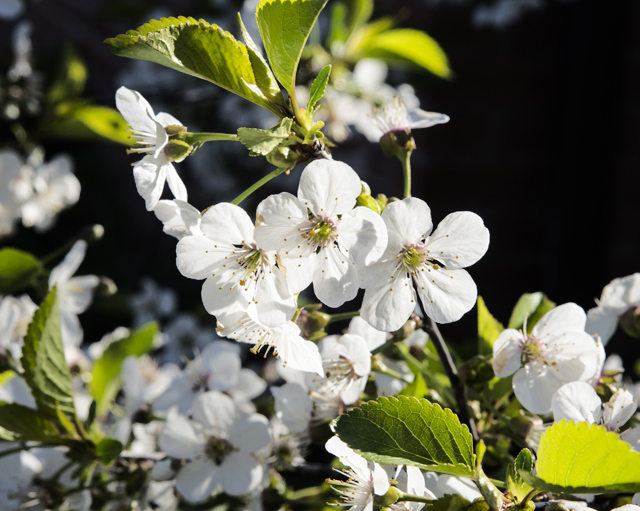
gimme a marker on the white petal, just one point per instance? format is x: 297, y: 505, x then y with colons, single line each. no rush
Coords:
x: 507, y: 353
x: 179, y: 440
x: 69, y: 265
x: 446, y: 294
x: 407, y: 221
x: 335, y: 280
x: 277, y: 220
x: 534, y: 387
x: 275, y: 304
x: 136, y: 110
x: 632, y: 436
x: 347, y: 455
x: 214, y: 410
x: 176, y: 185
x: 241, y: 474
x: 619, y: 409
x: 227, y: 223
x: 621, y: 293
x: 76, y: 294
x: 293, y: 406
x: 222, y: 371
x: 299, y: 266
x: 249, y: 386
x: 250, y: 433
x: 576, y: 401
x: 461, y: 239
x: 564, y: 318
x: 363, y: 234
x: 380, y: 480
x: 351, y: 393
x: 422, y: 119
x: 220, y: 298
x: 198, y: 257
x: 197, y: 480
x: 573, y: 356
x: 377, y: 274
x: 388, y: 307
x: 167, y: 119
x: 452, y: 485
x: 354, y: 349
x: 298, y: 353
x: 70, y: 328
x: 150, y: 174
x: 329, y: 187
x: 603, y: 322
x: 374, y: 338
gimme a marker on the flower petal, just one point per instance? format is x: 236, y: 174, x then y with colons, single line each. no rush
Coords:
x: 564, y: 318
x: 374, y: 338
x: 228, y: 224
x: 197, y: 480
x: 446, y: 295
x: 69, y: 265
x: 150, y: 174
x: 335, y: 281
x: 576, y: 401
x: 215, y: 411
x: 198, y: 257
x: 275, y: 304
x: 619, y: 409
x: 241, y: 474
x: 250, y: 433
x: 507, y: 353
x: 388, y: 307
x: 602, y: 321
x: 408, y: 221
x: 329, y: 187
x: 136, y: 110
x: 422, y: 119
x: 176, y: 185
x: 179, y: 439
x: 278, y: 218
x: 363, y: 234
x: 534, y: 387
x: 461, y: 239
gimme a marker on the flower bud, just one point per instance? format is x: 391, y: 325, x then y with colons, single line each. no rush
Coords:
x: 630, y: 322
x: 106, y: 287
x: 283, y: 157
x: 397, y: 142
x: 177, y: 150
x: 312, y: 323
x: 174, y: 129
x: 388, y: 499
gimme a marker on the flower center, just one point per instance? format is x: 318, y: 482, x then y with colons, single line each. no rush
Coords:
x: 252, y: 262
x: 322, y: 232
x: 413, y: 257
x: 217, y: 449
x: 532, y: 349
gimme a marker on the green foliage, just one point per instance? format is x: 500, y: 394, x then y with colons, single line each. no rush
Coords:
x: 409, y: 431
x: 489, y: 328
x: 359, y: 12
x: 71, y: 77
x: 531, y: 306
x: 417, y: 388
x: 515, y: 484
x: 45, y: 368
x: 108, y: 449
x: 17, y: 270
x: 262, y: 142
x: 450, y: 503
x: 284, y: 27
x: 21, y: 424
x: 318, y: 87
x: 405, y: 47
x: 105, y: 380
x: 575, y: 457
x: 199, y: 49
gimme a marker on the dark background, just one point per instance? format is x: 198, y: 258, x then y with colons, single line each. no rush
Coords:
x: 542, y: 144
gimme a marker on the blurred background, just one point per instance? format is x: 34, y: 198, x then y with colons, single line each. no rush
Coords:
x: 544, y: 100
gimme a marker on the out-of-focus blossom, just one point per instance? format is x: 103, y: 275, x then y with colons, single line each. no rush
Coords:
x: 15, y: 316
x: 152, y: 302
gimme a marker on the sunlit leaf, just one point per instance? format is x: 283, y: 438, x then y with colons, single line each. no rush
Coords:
x: 530, y: 306
x: 17, y: 270
x: 262, y: 142
x: 22, y: 424
x: 489, y: 328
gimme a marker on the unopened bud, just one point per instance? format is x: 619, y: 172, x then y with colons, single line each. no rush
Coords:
x: 92, y: 234
x: 397, y: 142
x: 382, y: 201
x: 283, y: 157
x: 630, y: 322
x: 176, y: 150
x: 174, y: 129
x: 388, y: 499
x: 312, y: 323
x: 106, y: 287
x: 368, y: 202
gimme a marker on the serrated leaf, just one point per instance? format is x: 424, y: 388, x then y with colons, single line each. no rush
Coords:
x: 262, y: 142
x: 17, y: 269
x: 318, y: 87
x: 515, y: 484
x: 105, y: 381
x: 45, y: 368
x: 417, y: 388
x: 576, y: 457
x: 22, y: 424
x: 108, y: 449
x: 196, y: 48
x: 265, y: 80
x: 489, y: 328
x: 284, y: 27
x: 531, y: 306
x: 405, y: 46
x: 409, y: 431
x: 71, y: 77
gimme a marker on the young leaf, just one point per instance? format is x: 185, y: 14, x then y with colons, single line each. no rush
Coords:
x: 284, y: 27
x: 265, y: 80
x: 489, y: 328
x: 262, y: 142
x: 531, y: 306
x: 108, y: 449
x: 195, y: 48
x: 515, y: 484
x: 45, y: 368
x: 407, y: 46
x: 338, y: 31
x: 409, y: 431
x: 21, y: 424
x: 318, y: 87
x: 576, y: 457
x: 105, y: 380
x: 17, y: 269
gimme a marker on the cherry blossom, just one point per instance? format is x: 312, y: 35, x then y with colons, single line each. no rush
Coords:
x: 395, y: 117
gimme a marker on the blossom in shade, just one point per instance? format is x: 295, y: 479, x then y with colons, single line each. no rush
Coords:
x: 618, y: 297
x: 239, y: 273
x: 557, y: 351
x: 149, y: 132
x: 430, y: 262
x: 318, y: 235
x: 395, y: 117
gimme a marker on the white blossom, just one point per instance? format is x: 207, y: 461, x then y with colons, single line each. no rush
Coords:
x: 557, y: 351
x: 179, y: 218
x: 293, y: 406
x: 15, y: 316
x: 395, y: 117
x: 218, y: 446
x: 152, y: 302
x: 149, y: 132
x: 618, y: 297
x: 432, y: 262
x: 323, y: 247
x: 239, y: 272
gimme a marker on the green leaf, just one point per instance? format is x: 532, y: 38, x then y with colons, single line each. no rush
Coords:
x: 105, y: 381
x: 489, y: 328
x: 404, y: 46
x: 45, y: 368
x: 338, y: 31
x: 575, y: 457
x: 75, y: 119
x: 22, y: 424
x: 450, y: 503
x: 417, y: 388
x: 515, y: 484
x: 265, y: 80
x: 263, y: 142
x: 318, y: 87
x: 409, y: 431
x: 196, y: 48
x: 531, y: 306
x: 284, y: 27
x: 108, y: 449
x: 359, y: 12
x: 71, y: 77
x: 17, y: 270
